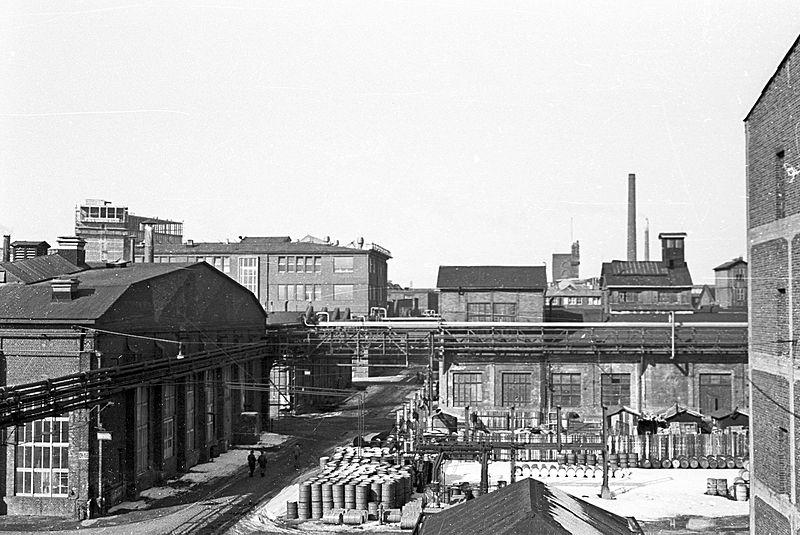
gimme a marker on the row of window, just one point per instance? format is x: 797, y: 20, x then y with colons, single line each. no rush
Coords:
x: 491, y: 312
x: 313, y: 292
x: 300, y: 264
x: 576, y: 301
x: 663, y: 297
x: 566, y: 389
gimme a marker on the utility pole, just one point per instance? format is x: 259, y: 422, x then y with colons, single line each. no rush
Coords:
x: 605, y: 492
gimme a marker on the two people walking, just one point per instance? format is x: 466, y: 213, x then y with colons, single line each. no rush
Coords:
x: 261, y: 461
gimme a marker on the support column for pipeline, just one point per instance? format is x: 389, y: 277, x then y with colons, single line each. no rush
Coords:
x: 605, y: 492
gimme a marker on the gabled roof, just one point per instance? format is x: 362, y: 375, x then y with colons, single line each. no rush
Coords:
x: 645, y: 273
x: 527, y: 506
x: 492, y: 278
x: 730, y: 264
x: 38, y: 268
x: 98, y: 290
x: 771, y: 78
x: 676, y: 411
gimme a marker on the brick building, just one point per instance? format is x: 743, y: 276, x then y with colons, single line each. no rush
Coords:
x: 288, y: 276
x: 730, y: 284
x: 492, y: 293
x: 574, y: 300
x: 773, y: 223
x: 634, y: 287
x: 110, y: 231
x: 74, y: 323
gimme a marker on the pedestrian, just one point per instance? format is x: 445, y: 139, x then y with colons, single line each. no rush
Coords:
x: 262, y: 463
x: 296, y: 454
x: 251, y: 462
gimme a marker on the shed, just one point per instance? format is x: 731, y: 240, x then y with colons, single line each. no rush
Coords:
x: 527, y: 506
x: 739, y: 417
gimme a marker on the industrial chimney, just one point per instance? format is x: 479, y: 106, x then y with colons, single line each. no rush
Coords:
x: 631, y: 217
x: 646, y: 239
x: 149, y: 249
x: 6, y: 248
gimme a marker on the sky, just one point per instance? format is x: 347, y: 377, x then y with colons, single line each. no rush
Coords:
x: 450, y: 133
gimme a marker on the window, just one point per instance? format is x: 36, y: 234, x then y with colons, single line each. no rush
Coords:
x: 566, y: 389
x: 168, y: 421
x: 281, y: 264
x: 301, y: 264
x: 715, y: 392
x: 740, y: 294
x: 310, y: 292
x: 516, y: 389
x: 317, y: 292
x: 301, y: 292
x: 466, y: 388
x: 248, y: 273
x: 317, y: 264
x: 504, y: 312
x: 222, y: 263
x: 627, y: 297
x: 784, y: 466
x: 343, y: 292
x: 43, y: 458
x: 291, y: 294
x: 667, y: 297
x: 479, y: 312
x: 282, y: 292
x: 142, y: 435
x: 342, y: 264
x: 190, y: 401
x: 290, y: 264
x: 616, y: 389
x: 780, y: 187
x: 210, y: 415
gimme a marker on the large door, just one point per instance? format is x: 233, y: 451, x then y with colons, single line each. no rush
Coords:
x: 715, y: 392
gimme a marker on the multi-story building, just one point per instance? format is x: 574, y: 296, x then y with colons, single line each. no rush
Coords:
x: 635, y: 287
x: 567, y: 265
x: 108, y: 317
x: 730, y: 284
x: 492, y: 293
x: 288, y: 276
x: 110, y: 231
x: 773, y: 223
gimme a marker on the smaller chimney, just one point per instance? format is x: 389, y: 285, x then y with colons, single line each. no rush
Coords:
x: 73, y: 249
x: 131, y: 247
x: 646, y: 239
x: 6, y: 247
x: 63, y: 289
x: 149, y: 250
x: 672, y: 248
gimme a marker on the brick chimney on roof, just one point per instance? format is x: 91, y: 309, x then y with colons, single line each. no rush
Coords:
x: 73, y: 249
x: 62, y: 290
x: 6, y: 248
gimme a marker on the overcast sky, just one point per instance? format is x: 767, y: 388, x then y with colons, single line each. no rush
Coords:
x: 451, y: 133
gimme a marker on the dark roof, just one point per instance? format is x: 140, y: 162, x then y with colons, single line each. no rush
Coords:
x: 681, y: 414
x: 771, y: 78
x: 254, y: 240
x: 98, y: 290
x: 492, y: 277
x: 730, y: 264
x: 285, y: 318
x: 24, y: 243
x: 39, y: 268
x: 644, y: 273
x: 259, y: 246
x: 527, y: 506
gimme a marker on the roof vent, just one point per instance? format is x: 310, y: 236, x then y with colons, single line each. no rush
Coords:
x: 63, y: 289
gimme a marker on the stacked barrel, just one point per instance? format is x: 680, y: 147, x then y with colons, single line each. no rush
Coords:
x: 703, y: 461
x: 352, y: 482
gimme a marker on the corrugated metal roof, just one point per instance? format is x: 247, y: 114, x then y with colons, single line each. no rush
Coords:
x: 98, y: 290
x: 527, y: 506
x: 492, y: 277
x: 39, y: 268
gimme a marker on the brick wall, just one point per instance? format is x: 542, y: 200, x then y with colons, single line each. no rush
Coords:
x: 771, y: 129
x: 768, y: 520
x: 530, y: 305
x: 770, y: 399
x: 769, y: 318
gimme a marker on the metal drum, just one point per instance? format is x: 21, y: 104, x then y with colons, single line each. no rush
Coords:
x: 291, y: 510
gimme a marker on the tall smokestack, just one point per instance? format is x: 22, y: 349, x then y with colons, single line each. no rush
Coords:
x: 6, y: 248
x: 149, y: 250
x: 631, y: 217
x: 646, y: 239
